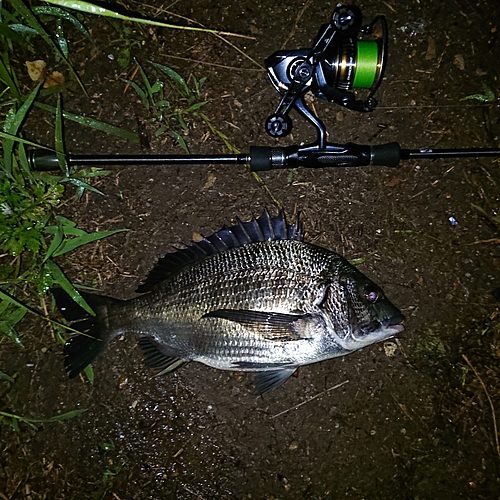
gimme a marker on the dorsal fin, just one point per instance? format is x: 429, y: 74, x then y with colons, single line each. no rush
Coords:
x: 264, y: 228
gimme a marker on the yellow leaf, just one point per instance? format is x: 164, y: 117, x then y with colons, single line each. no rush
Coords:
x: 54, y: 79
x: 35, y: 69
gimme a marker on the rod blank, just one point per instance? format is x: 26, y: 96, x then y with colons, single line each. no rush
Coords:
x: 42, y: 160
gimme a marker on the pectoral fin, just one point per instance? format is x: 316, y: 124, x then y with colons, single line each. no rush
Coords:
x: 270, y: 325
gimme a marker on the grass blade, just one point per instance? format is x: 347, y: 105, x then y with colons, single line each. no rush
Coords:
x: 56, y: 241
x: 8, y: 77
x: 61, y: 38
x: 56, y: 418
x: 10, y: 317
x: 175, y: 77
x: 90, y: 8
x: 4, y: 376
x: 12, y: 125
x: 59, y: 139
x: 195, y: 107
x: 180, y: 140
x: 22, y: 141
x: 89, y: 373
x: 61, y: 280
x: 73, y: 243
x: 96, y: 124
x: 63, y: 14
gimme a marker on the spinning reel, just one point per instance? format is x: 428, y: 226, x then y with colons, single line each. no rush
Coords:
x: 347, y: 60
x: 337, y: 64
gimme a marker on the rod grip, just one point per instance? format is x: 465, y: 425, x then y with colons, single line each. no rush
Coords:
x: 267, y: 158
x: 386, y: 155
x: 42, y: 160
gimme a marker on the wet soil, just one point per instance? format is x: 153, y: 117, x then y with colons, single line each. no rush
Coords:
x: 412, y: 418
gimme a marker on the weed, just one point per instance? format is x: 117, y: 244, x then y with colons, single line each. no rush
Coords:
x: 488, y: 96
x: 421, y: 450
x: 171, y: 116
x: 31, y: 232
x: 431, y: 347
x: 128, y: 40
x: 14, y: 420
x: 172, y: 101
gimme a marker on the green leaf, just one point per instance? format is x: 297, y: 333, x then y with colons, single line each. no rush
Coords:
x: 61, y: 38
x: 4, y: 376
x: 15, y: 425
x: 142, y: 94
x: 59, y: 139
x: 71, y: 244
x: 123, y: 57
x: 56, y: 242
x: 63, y: 14
x: 12, y: 32
x: 11, y: 127
x: 89, y: 373
x: 196, y: 106
x: 68, y: 226
x: 175, y: 77
x: 23, y: 160
x: 56, y: 418
x: 157, y: 86
x: 8, y: 77
x: 59, y: 278
x: 180, y: 140
x: 91, y: 8
x: 488, y: 96
x: 11, y: 316
x: 8, y: 299
x: 96, y: 124
x: 20, y: 140
x: 82, y: 185
x: 145, y: 79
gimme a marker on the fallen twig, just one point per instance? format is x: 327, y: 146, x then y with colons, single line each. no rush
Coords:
x: 491, y: 240
x: 310, y: 399
x: 495, y: 428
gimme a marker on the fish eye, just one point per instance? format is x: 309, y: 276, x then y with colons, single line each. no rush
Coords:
x: 372, y: 295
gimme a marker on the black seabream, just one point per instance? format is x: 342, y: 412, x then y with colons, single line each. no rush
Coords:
x: 252, y: 297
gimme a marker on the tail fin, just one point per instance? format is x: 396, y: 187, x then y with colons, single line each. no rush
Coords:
x: 83, y: 349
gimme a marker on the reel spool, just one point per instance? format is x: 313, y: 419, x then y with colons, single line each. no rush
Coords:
x: 338, y: 64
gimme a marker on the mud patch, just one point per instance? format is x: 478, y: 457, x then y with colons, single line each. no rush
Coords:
x: 409, y: 420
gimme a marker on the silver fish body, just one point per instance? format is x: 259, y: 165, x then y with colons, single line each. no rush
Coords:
x: 253, y: 297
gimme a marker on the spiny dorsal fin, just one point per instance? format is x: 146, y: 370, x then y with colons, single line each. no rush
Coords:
x: 264, y: 228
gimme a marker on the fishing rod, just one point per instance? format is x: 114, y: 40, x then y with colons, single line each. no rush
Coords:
x: 347, y: 60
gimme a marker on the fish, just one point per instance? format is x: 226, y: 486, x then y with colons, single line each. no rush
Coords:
x: 253, y: 297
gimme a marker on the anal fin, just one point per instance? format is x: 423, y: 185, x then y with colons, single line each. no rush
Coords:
x: 272, y: 379
x: 155, y: 357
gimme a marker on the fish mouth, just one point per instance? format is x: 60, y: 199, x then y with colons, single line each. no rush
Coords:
x: 393, y: 329
x: 394, y: 324
x: 383, y: 331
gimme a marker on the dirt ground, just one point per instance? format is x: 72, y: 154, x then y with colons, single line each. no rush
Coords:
x: 413, y: 418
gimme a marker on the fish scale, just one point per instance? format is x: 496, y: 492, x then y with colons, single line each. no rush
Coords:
x: 252, y: 297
